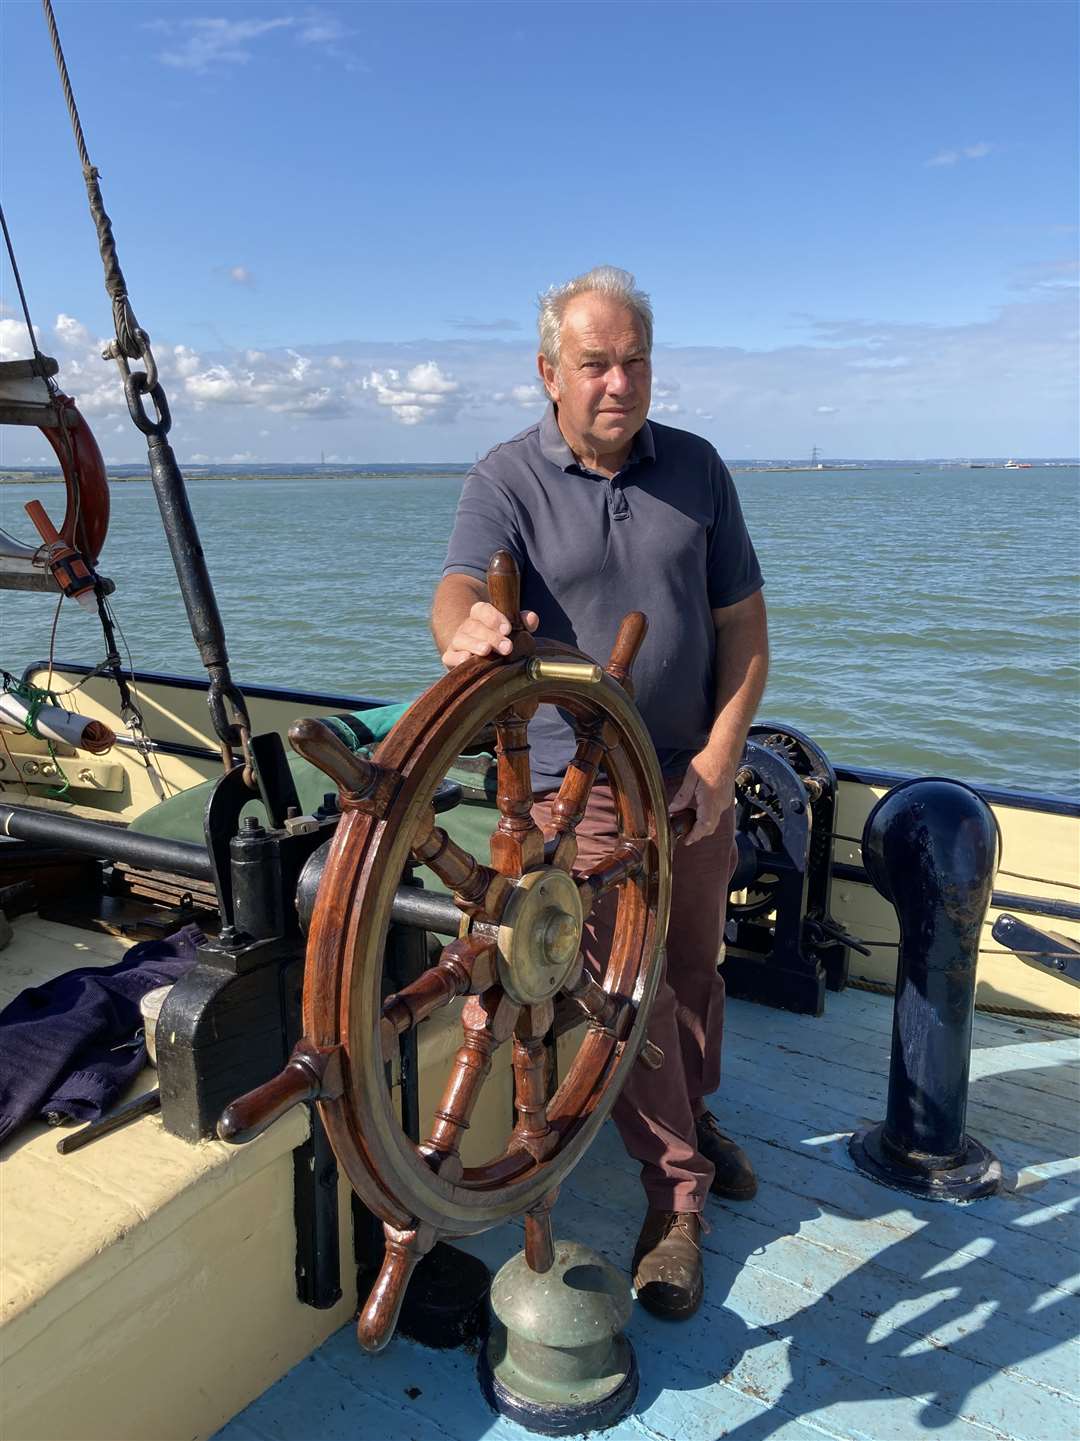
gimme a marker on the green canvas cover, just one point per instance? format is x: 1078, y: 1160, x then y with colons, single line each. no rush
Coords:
x: 180, y: 818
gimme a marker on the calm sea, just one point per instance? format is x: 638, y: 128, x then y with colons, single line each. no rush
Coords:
x: 922, y: 619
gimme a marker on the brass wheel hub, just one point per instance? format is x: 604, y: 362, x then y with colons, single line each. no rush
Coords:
x: 540, y: 936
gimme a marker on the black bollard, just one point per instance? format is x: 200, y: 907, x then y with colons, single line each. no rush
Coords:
x: 931, y: 848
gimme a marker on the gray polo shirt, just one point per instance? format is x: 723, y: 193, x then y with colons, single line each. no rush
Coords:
x: 666, y: 536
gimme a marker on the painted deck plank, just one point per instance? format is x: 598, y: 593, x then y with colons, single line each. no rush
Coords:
x: 866, y: 1015
x: 1030, y: 1145
x: 791, y: 1117
x: 836, y: 1310
x: 801, y: 1260
x: 789, y: 1288
x: 822, y: 1172
x: 1029, y: 1152
x: 999, y: 1075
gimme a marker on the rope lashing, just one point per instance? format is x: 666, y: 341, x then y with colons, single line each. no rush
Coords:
x: 34, y: 697
x: 132, y: 342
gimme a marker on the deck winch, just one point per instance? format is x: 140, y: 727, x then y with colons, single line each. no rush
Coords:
x: 783, y: 946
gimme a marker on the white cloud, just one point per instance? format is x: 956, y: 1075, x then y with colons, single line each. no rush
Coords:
x: 827, y: 410
x: 218, y: 385
x: 240, y: 275
x: 14, y: 340
x: 963, y: 152
x: 1049, y: 275
x: 665, y: 407
x: 322, y: 30
x: 186, y: 361
x: 208, y: 41
x: 470, y: 322
x: 1001, y: 384
x: 528, y: 395
x: 881, y: 362
x: 278, y: 386
x: 72, y: 332
x: 300, y: 366
x: 427, y: 393
x: 203, y: 42
x: 664, y: 389
x: 429, y: 378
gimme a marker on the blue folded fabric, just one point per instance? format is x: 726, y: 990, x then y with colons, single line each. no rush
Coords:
x: 69, y: 1048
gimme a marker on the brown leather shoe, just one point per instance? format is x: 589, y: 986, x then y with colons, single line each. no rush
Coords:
x: 667, y: 1264
x: 734, y: 1178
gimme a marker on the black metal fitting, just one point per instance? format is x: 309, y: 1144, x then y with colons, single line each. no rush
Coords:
x: 931, y: 848
x: 136, y: 386
x: 785, y: 791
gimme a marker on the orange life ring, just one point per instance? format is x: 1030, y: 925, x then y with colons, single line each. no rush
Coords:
x: 86, y: 520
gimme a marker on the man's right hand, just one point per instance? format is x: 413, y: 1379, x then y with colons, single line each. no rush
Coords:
x: 484, y: 631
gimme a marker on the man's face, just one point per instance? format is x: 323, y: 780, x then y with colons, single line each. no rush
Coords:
x: 603, y: 382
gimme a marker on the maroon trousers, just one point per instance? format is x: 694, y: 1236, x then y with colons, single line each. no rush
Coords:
x: 656, y: 1109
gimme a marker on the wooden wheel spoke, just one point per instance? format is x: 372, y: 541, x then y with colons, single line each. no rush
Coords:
x: 477, y: 889
x: 361, y: 784
x: 573, y: 798
x: 624, y: 652
x: 518, y: 843
x: 465, y: 965
x: 532, y: 1131
x: 625, y: 863
x: 404, y: 1250
x: 611, y: 1013
x: 488, y: 1020
x: 539, y: 1242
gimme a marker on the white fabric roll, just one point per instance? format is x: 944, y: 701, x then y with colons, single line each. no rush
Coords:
x: 56, y: 725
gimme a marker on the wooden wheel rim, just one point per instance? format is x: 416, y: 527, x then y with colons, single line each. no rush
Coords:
x: 342, y: 990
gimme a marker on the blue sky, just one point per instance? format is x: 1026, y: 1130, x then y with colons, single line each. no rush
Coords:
x: 858, y: 222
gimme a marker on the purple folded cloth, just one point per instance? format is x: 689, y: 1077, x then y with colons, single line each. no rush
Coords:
x: 70, y: 1047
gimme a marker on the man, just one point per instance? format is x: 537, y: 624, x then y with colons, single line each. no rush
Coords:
x: 606, y: 512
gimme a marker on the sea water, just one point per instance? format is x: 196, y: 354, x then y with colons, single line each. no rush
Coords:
x: 923, y: 619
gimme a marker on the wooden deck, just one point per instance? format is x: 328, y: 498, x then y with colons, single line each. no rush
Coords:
x: 834, y: 1307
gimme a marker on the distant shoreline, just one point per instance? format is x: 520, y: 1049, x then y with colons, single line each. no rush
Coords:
x: 134, y: 474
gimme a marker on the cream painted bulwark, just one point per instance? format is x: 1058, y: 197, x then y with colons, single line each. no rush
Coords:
x: 173, y: 715
x: 1034, y: 844
x: 148, y: 1285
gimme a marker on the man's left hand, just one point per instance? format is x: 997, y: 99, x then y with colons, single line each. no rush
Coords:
x: 709, y: 788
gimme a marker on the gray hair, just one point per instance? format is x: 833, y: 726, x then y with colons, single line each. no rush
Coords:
x: 601, y: 280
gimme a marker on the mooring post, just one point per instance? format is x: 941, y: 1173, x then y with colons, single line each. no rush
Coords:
x: 931, y: 848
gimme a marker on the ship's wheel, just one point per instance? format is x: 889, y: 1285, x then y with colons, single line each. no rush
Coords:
x: 518, y: 953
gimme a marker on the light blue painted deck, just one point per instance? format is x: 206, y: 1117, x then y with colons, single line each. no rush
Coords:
x: 834, y: 1307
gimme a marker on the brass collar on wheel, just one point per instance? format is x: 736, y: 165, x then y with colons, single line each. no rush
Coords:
x: 540, y: 936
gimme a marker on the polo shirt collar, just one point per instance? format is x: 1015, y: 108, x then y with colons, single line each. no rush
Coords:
x: 554, y: 448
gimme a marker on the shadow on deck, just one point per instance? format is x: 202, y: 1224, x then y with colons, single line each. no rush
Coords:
x: 834, y: 1307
